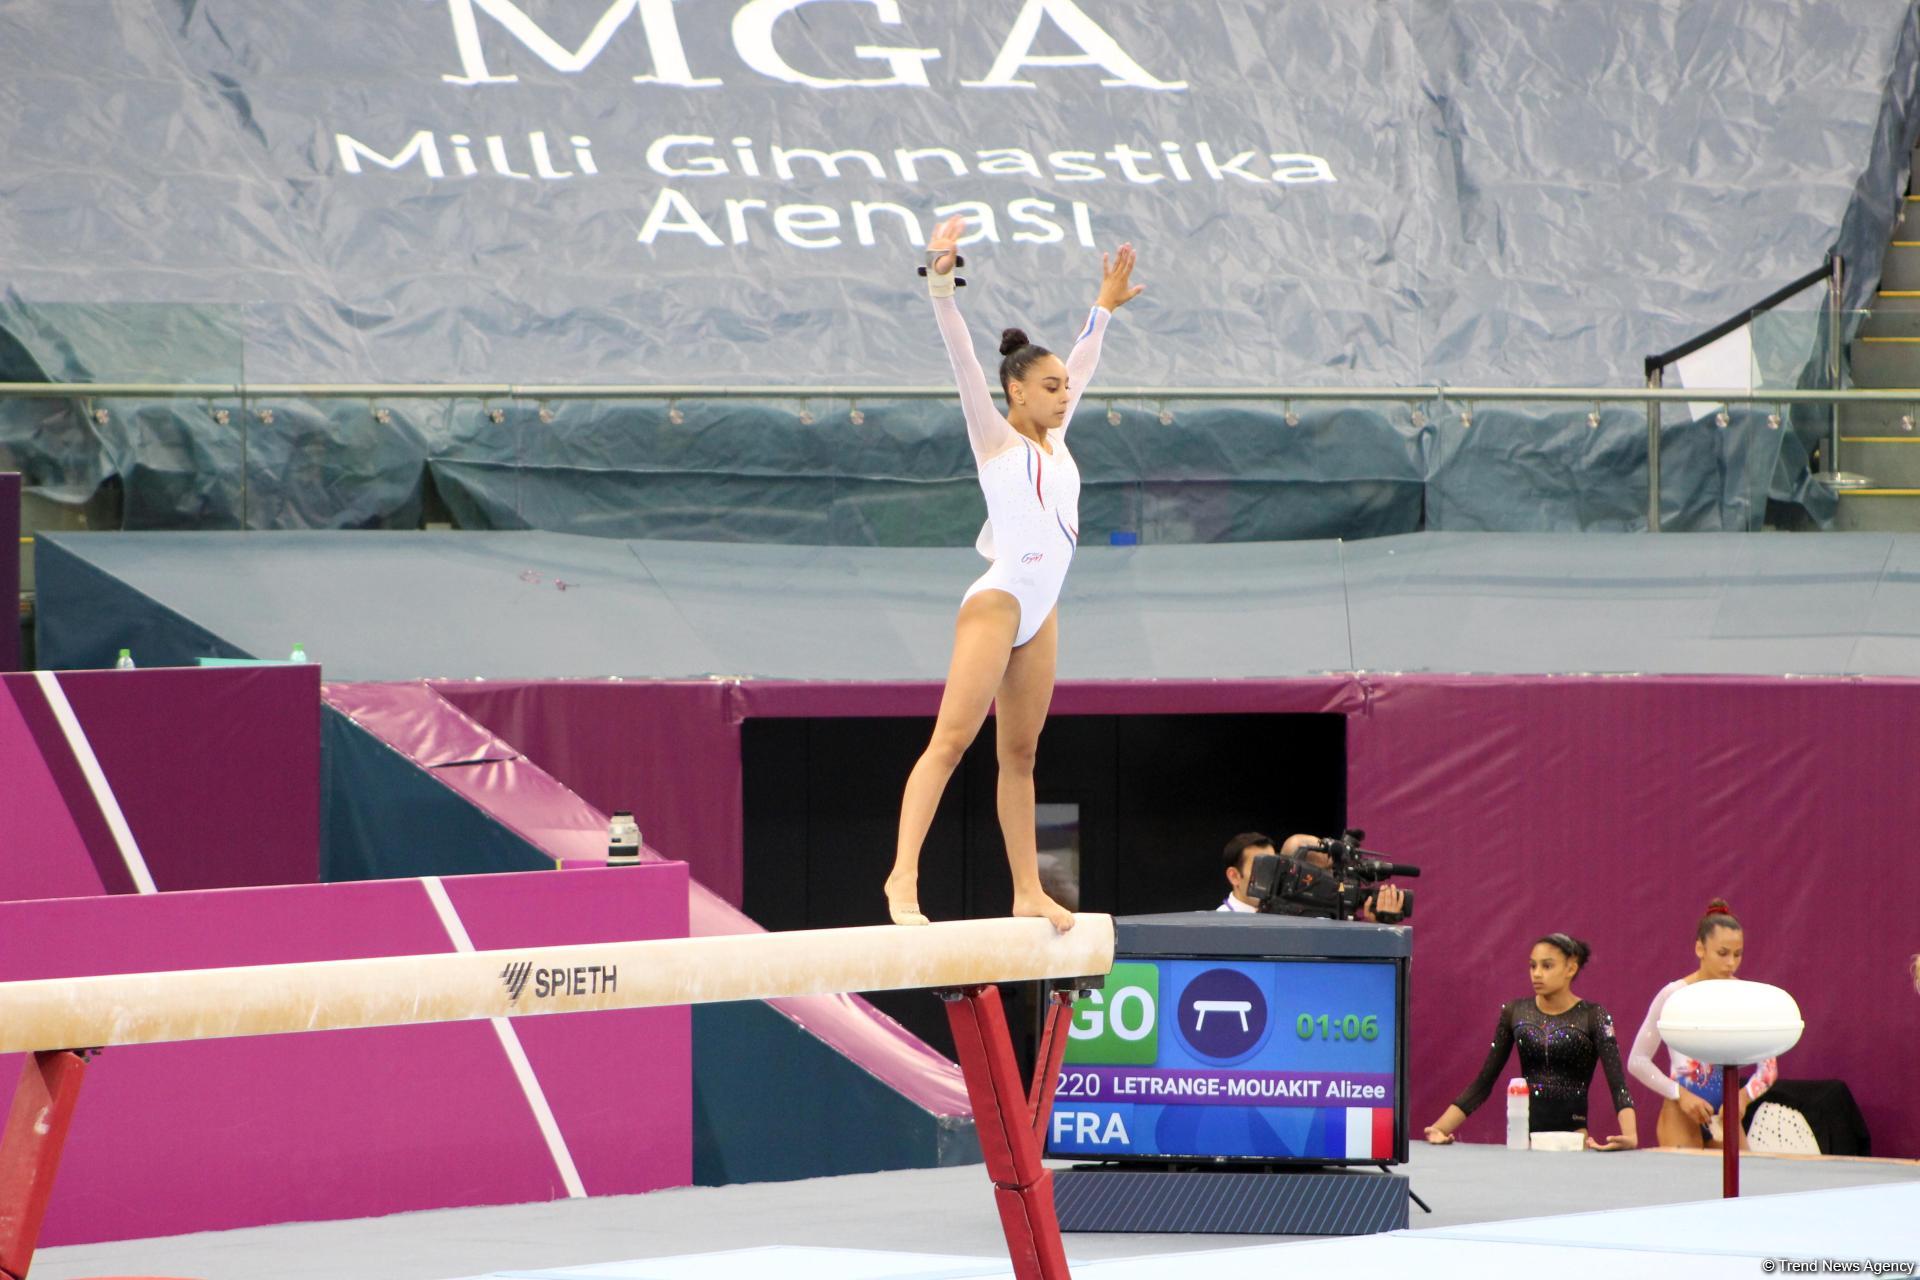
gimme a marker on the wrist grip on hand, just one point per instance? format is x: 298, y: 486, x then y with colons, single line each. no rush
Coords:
x: 941, y: 284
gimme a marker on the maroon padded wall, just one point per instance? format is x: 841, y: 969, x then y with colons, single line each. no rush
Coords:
x: 1614, y: 809
x: 1609, y: 807
x: 216, y: 771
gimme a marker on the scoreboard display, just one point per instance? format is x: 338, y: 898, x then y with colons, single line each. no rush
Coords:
x: 1237, y: 1059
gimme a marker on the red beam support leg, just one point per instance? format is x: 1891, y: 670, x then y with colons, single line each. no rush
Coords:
x: 1002, y: 1115
x: 30, y: 1152
x: 1729, y: 1132
x: 1047, y: 1059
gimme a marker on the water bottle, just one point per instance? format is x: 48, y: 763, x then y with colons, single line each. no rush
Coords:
x: 1519, y: 1103
x: 125, y: 661
x: 299, y: 653
x: 623, y: 840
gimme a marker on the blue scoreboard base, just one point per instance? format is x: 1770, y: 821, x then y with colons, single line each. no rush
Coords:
x: 1304, y: 1202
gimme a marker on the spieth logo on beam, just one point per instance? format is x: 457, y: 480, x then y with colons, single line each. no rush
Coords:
x: 580, y: 980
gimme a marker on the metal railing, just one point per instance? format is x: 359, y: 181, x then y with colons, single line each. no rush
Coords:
x: 256, y: 399
x: 944, y: 391
x: 1832, y: 273
x: 1440, y: 396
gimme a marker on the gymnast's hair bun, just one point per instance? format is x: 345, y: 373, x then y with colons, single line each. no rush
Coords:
x: 1011, y: 340
x: 1719, y: 916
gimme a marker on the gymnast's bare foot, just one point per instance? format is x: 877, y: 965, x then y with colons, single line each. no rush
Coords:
x: 903, y: 899
x: 1039, y: 904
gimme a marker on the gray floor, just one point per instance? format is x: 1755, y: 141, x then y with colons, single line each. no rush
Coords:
x: 923, y: 1211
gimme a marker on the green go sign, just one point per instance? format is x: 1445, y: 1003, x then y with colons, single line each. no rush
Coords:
x: 1119, y: 1025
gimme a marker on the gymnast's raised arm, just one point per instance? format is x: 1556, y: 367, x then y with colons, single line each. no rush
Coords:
x: 986, y: 429
x: 1116, y: 290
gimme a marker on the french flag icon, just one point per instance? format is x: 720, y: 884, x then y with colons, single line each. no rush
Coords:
x: 1369, y: 1133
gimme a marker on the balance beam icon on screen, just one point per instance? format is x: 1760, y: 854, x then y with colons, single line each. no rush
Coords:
x: 1201, y: 1008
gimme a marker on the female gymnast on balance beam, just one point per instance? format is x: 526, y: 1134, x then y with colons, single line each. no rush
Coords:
x: 1007, y: 635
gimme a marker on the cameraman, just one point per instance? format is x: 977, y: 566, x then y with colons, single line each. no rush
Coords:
x: 1238, y: 858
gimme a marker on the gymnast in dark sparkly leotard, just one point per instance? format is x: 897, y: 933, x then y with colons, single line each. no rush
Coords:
x: 1561, y: 1038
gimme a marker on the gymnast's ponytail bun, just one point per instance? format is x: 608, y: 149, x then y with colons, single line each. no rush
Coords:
x: 1017, y: 355
x: 1718, y: 916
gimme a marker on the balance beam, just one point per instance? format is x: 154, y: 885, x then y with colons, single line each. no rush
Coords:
x: 331, y: 995
x: 58, y: 1019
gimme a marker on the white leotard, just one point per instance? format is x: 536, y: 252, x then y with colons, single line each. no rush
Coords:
x: 1033, y: 494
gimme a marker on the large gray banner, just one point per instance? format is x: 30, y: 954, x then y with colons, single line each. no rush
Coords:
x: 1323, y: 191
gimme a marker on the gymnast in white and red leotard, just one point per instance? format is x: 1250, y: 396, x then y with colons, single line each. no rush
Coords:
x: 1007, y: 635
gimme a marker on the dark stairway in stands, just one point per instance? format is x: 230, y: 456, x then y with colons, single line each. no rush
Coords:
x: 1882, y: 441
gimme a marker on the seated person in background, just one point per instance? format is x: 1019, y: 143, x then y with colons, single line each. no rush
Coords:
x: 1248, y: 845
x: 1561, y: 1036
x: 1693, y: 1090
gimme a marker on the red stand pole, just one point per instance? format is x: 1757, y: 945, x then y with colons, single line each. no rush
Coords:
x: 1006, y: 1123
x: 30, y: 1152
x: 1729, y: 1132
x: 1047, y: 1059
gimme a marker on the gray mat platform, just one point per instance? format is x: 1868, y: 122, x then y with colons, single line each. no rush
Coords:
x: 370, y: 606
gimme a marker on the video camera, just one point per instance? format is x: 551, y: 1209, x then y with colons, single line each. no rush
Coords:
x: 1291, y: 885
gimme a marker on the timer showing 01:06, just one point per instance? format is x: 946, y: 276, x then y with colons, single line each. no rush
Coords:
x: 1351, y: 1027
